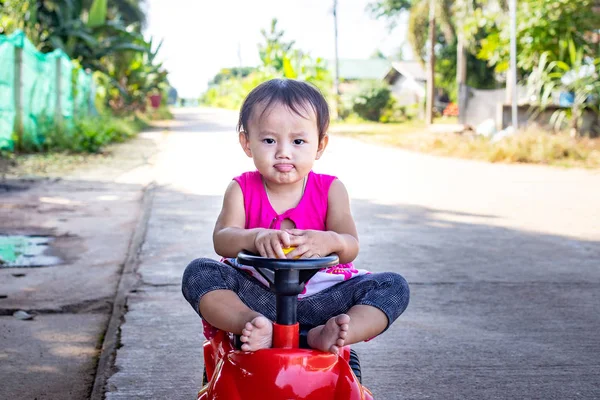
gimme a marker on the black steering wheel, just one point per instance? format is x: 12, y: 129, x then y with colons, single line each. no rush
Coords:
x: 253, y: 260
x: 286, y: 278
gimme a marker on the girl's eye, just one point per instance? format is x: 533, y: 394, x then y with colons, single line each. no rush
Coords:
x: 299, y: 141
x: 269, y: 141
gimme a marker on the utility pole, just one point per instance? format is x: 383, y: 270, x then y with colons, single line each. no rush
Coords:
x: 513, y: 63
x: 431, y: 65
x: 461, y: 78
x: 461, y: 69
x: 239, y: 56
x: 337, y: 62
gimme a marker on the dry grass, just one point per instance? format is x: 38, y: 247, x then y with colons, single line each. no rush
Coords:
x: 533, y: 146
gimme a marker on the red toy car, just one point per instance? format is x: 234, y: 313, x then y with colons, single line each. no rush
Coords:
x: 285, y: 371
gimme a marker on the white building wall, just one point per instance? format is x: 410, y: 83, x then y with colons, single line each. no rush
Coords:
x: 408, y: 91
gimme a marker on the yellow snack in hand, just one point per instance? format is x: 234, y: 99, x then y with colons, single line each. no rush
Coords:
x: 286, y: 250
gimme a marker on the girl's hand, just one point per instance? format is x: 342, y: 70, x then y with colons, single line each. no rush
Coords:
x: 310, y: 243
x: 270, y: 242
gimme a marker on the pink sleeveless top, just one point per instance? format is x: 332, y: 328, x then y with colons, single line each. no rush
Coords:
x: 310, y: 213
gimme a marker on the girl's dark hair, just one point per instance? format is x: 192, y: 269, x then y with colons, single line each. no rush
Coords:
x: 296, y: 95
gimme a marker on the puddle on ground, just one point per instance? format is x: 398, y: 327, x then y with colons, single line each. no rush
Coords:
x: 25, y: 251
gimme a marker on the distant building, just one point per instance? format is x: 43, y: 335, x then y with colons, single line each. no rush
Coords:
x: 355, y: 71
x: 407, y: 81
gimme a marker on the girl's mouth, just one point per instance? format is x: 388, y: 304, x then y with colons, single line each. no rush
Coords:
x: 284, y: 167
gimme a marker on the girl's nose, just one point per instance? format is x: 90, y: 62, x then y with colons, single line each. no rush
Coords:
x: 283, y: 151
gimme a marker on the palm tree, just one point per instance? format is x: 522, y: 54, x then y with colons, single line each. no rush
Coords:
x: 101, y: 35
x: 418, y: 20
x: 448, y: 16
x: 129, y: 11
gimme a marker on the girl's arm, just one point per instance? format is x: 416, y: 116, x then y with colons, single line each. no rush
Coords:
x: 229, y: 236
x: 340, y: 223
x: 340, y: 236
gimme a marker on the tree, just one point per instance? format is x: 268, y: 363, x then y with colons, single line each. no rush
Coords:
x: 449, y: 17
x: 82, y: 29
x: 578, y: 76
x: 542, y: 26
x: 129, y: 12
x: 280, y: 58
x: 378, y: 54
x: 228, y: 73
x: 101, y: 37
x: 273, y: 52
x: 398, y: 54
x: 478, y: 74
x: 418, y: 24
x: 390, y: 9
x: 135, y: 75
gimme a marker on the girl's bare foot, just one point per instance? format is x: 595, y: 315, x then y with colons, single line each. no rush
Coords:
x: 257, y: 334
x: 331, y: 336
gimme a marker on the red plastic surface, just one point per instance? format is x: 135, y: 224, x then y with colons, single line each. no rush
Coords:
x: 286, y: 336
x: 277, y: 374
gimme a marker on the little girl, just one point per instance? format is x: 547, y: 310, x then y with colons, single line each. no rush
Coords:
x: 282, y: 127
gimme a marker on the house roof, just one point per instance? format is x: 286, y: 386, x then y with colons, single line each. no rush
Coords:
x: 375, y: 68
x: 410, y: 69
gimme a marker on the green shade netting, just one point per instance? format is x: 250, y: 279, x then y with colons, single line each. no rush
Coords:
x: 7, y: 94
x: 39, y: 91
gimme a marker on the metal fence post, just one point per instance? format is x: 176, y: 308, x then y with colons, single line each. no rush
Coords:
x: 18, y: 95
x: 58, y: 111
x: 92, y: 95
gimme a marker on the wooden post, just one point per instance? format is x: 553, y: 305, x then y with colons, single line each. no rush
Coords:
x: 18, y: 94
x: 91, y: 95
x: 431, y: 65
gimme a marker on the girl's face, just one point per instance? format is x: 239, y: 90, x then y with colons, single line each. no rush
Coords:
x: 283, y: 144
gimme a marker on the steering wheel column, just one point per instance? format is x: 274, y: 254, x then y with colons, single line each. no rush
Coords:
x: 286, y: 279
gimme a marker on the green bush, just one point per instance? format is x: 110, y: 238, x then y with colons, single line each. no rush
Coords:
x: 345, y: 103
x: 161, y: 113
x: 371, y: 101
x: 88, y: 134
x: 230, y: 93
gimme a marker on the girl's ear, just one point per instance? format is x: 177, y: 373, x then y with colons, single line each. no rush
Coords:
x: 322, y: 145
x: 245, y: 142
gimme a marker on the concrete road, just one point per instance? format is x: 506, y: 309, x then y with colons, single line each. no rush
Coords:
x: 503, y: 263
x: 89, y: 214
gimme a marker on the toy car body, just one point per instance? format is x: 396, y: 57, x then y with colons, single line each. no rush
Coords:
x: 285, y: 371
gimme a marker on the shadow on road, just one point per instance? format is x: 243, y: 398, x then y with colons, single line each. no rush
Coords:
x: 495, y: 312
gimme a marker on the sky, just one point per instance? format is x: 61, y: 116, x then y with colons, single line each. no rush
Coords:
x: 200, y: 37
